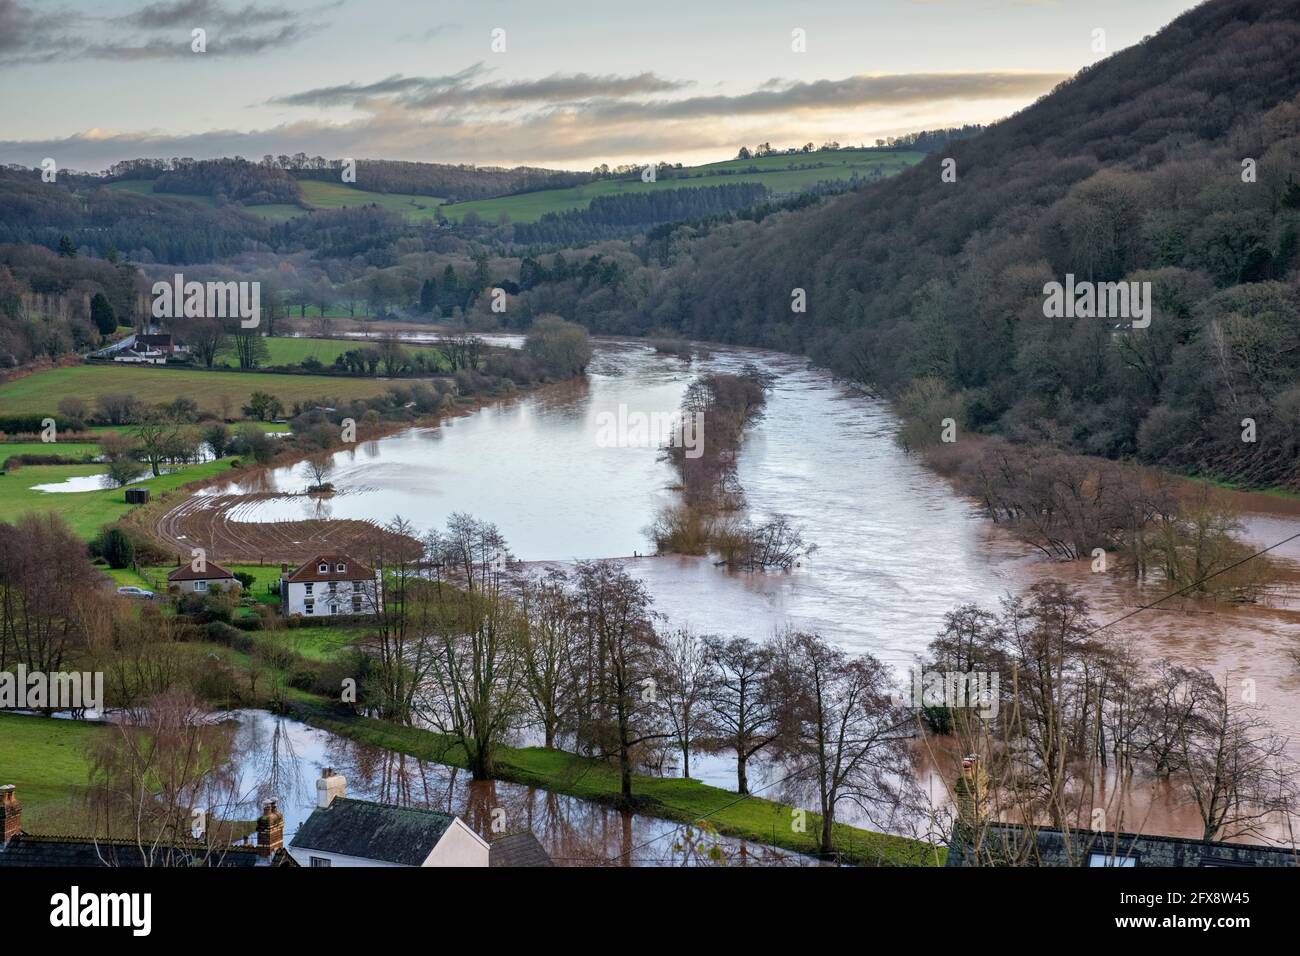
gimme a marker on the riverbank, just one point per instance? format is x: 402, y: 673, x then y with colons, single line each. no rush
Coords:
x: 680, y: 800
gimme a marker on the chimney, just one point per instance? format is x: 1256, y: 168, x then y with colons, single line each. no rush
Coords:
x: 11, y: 814
x: 971, y: 791
x: 284, y: 567
x: 329, y: 786
x: 270, y: 830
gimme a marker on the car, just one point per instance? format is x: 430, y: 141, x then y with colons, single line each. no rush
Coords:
x: 131, y: 590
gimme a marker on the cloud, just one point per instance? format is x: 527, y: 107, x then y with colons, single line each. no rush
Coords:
x: 153, y: 31
x: 854, y: 92
x: 441, y: 92
x: 571, y: 118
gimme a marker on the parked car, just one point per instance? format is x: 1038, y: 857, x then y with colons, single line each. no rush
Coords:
x: 132, y: 591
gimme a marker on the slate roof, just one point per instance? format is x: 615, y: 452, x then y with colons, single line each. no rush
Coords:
x: 373, y: 831
x: 518, y: 849
x: 28, y: 850
x: 356, y: 571
x: 1008, y: 844
x: 186, y: 572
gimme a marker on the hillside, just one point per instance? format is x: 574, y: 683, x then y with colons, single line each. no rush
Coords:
x: 1131, y: 170
x: 781, y: 174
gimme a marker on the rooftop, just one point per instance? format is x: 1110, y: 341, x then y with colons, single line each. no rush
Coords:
x: 373, y: 831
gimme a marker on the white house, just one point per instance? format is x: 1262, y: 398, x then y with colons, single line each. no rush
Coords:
x: 141, y: 357
x: 330, y: 584
x: 213, y: 575
x: 345, y: 832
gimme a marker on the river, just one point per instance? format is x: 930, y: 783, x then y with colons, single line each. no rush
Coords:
x: 896, y: 548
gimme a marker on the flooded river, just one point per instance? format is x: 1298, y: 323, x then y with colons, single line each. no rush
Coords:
x: 896, y: 548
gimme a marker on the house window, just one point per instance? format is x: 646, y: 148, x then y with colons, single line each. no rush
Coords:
x: 324, y: 569
x: 309, y: 607
x: 356, y: 604
x: 309, y: 587
x: 1107, y: 859
x: 319, y: 861
x: 333, y: 587
x: 334, y: 608
x: 200, y: 585
x: 340, y: 568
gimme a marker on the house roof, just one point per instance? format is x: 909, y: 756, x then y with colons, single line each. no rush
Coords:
x: 186, y: 572
x: 28, y: 850
x: 373, y: 831
x: 518, y: 849
x: 1009, y: 844
x: 308, y: 572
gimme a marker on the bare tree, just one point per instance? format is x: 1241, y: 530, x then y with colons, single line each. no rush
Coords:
x: 550, y: 646
x: 206, y: 338
x: 742, y: 697
x: 615, y: 609
x: 1235, y: 769
x: 164, y: 778
x: 477, y: 671
x: 685, y: 683
x: 846, y: 734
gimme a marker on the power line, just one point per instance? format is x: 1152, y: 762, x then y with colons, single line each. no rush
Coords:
x: 1194, y: 584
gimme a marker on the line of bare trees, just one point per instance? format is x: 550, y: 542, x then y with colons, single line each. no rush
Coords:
x: 1070, y: 507
x: 1080, y: 724
x: 480, y: 653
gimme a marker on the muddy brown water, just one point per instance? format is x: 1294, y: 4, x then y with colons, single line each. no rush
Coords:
x: 896, y: 548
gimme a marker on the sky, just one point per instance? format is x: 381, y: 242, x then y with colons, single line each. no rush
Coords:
x: 563, y: 84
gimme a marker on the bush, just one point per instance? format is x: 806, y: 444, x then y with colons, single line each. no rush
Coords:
x: 115, y: 546
x: 219, y: 632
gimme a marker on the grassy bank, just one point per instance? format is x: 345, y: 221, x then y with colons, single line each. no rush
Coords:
x: 39, y: 394
x: 46, y: 760
x: 686, y: 801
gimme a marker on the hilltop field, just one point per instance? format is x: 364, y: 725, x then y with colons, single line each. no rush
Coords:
x: 779, y: 173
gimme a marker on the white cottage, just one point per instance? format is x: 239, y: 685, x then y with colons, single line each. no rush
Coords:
x: 329, y: 585
x: 346, y: 832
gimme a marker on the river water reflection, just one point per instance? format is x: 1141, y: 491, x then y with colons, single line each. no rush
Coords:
x: 896, y: 548
x: 282, y: 758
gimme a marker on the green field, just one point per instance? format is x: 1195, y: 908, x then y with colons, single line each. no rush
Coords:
x: 292, y: 351
x: 323, y: 195
x: 64, y: 449
x: 46, y: 760
x: 86, y: 511
x: 775, y: 172
x: 39, y: 394
x: 275, y: 212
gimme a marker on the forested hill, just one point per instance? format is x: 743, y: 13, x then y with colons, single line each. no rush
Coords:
x: 1133, y: 169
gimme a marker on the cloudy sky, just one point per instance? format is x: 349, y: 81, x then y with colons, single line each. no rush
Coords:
x: 578, y: 83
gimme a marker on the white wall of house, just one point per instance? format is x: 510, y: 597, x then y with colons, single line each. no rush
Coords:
x: 459, y: 846
x: 347, y: 597
x: 302, y: 856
